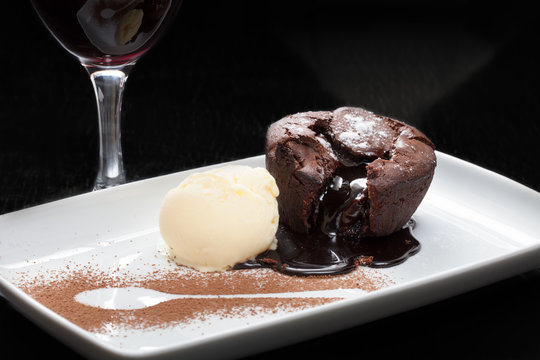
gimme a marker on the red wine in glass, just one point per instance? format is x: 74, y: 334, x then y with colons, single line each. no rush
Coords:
x: 107, y: 37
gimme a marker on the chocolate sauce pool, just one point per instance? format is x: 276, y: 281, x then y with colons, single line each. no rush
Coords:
x: 330, y: 250
x: 319, y: 254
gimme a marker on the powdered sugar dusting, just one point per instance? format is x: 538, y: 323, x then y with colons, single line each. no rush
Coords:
x: 352, y: 139
x: 359, y: 124
x: 326, y: 145
x: 361, y: 132
x: 295, y: 129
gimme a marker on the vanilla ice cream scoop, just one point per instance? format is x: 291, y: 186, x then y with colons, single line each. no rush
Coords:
x: 218, y: 218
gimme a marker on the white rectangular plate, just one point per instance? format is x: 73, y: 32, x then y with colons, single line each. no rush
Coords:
x: 475, y: 227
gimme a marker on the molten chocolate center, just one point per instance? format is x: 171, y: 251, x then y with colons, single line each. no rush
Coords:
x: 344, y: 203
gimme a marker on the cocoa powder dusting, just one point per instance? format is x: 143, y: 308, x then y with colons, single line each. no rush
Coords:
x: 57, y: 289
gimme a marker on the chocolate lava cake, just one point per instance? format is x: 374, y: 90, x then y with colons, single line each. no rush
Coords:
x: 348, y: 171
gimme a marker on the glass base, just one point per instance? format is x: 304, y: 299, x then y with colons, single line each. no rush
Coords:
x: 105, y: 182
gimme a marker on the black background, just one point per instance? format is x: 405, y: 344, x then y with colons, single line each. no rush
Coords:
x: 463, y: 72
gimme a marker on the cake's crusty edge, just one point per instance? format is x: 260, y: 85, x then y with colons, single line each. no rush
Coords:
x: 410, y: 165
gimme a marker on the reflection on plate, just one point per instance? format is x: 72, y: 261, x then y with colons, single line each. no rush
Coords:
x: 475, y: 227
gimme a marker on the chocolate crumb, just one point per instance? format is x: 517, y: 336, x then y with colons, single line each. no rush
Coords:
x: 269, y: 261
x: 364, y: 261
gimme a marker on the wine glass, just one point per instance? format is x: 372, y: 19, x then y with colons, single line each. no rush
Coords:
x: 107, y: 37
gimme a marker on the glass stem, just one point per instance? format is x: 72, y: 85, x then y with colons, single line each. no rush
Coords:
x: 109, y: 86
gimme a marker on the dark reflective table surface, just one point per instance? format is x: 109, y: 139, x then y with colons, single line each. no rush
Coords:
x: 465, y: 73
